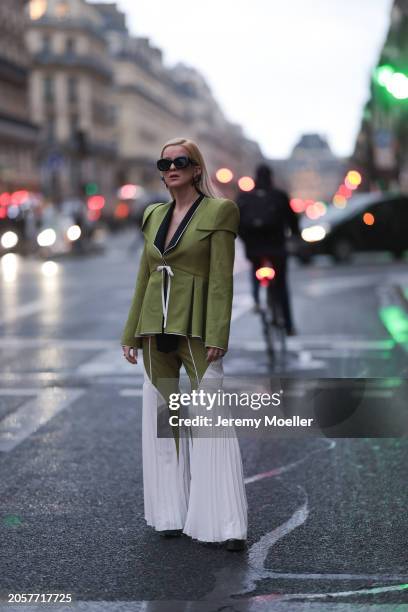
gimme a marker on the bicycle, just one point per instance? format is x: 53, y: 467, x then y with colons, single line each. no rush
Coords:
x: 272, y: 315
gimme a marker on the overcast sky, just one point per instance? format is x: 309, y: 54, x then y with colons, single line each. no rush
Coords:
x: 277, y: 67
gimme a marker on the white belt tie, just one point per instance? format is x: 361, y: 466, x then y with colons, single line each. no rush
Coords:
x: 165, y: 300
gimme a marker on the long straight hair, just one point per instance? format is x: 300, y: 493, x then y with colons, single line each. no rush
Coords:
x: 205, y: 184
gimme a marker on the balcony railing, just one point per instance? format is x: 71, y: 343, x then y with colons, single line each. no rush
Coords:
x: 72, y: 60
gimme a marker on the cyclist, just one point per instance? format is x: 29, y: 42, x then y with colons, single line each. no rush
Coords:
x: 266, y: 217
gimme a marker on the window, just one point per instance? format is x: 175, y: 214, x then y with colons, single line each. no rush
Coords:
x: 70, y: 46
x: 50, y: 129
x: 46, y: 43
x: 73, y: 120
x: 48, y: 89
x: 72, y: 89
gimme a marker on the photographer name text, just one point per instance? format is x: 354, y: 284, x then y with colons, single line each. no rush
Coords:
x: 266, y: 421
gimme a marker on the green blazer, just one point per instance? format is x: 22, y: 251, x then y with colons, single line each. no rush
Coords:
x: 188, y: 290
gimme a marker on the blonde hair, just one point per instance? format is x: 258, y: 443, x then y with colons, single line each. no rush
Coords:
x: 205, y: 184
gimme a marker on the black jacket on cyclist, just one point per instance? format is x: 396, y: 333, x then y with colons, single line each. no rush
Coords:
x: 265, y: 218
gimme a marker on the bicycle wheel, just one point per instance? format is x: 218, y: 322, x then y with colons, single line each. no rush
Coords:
x: 277, y: 327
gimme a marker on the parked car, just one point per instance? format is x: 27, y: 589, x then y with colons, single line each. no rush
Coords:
x: 369, y: 222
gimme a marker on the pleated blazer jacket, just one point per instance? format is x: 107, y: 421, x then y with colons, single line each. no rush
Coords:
x: 187, y: 288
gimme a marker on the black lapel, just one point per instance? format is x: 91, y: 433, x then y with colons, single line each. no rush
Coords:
x: 162, y: 231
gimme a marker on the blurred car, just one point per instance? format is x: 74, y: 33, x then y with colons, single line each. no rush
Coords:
x: 66, y: 229
x: 369, y: 222
x: 20, y: 214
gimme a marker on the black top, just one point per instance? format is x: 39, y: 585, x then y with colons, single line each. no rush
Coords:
x: 169, y: 342
x: 160, y: 239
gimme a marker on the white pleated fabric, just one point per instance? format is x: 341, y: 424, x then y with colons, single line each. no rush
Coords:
x: 203, y: 492
x: 166, y: 480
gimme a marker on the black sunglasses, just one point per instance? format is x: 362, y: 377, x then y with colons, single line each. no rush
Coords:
x: 181, y: 162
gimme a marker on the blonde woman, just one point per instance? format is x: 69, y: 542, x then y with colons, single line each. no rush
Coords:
x: 180, y: 315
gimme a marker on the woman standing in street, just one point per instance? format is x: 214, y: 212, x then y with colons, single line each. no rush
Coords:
x: 180, y: 315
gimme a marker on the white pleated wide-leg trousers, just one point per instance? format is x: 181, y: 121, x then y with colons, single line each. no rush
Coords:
x: 201, y: 491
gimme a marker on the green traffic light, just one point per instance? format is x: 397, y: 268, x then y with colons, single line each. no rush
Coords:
x: 383, y: 75
x: 398, y: 86
x: 91, y: 189
x: 396, y: 83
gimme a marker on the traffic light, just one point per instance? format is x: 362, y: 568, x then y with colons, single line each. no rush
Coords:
x: 395, y: 82
x: 91, y: 189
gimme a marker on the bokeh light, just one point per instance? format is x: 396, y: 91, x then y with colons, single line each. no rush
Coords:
x: 340, y: 201
x: 246, y: 183
x: 49, y: 268
x: 96, y: 202
x: 354, y: 178
x: 297, y: 205
x: 368, y: 218
x: 9, y: 240
x: 128, y: 192
x: 224, y: 175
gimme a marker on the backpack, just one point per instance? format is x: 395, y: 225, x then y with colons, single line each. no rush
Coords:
x: 259, y: 210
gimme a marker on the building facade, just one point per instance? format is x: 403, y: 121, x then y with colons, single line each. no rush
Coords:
x: 106, y: 102
x: 18, y: 135
x: 156, y: 103
x: 381, y: 148
x: 312, y: 172
x: 72, y: 98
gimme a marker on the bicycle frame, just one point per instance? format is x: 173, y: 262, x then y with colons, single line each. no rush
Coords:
x: 273, y: 321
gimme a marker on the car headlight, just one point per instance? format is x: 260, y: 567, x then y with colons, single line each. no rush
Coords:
x: 73, y: 232
x: 9, y: 240
x: 47, y: 237
x: 314, y: 233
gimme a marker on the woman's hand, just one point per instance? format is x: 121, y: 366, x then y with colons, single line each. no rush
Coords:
x: 130, y: 352
x: 214, y: 353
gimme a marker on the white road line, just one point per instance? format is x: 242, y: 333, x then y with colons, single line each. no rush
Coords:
x: 34, y: 413
x: 333, y: 343
x: 259, y: 551
x: 106, y: 363
x: 68, y: 344
x: 19, y: 391
x: 25, y: 310
x: 131, y: 392
x: 328, y: 285
x: 275, y: 597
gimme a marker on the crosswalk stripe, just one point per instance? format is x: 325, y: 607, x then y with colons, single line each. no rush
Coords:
x: 34, y: 413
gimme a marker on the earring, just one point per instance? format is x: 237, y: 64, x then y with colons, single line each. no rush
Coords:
x: 196, y: 179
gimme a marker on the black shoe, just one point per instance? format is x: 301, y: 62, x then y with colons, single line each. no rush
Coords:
x: 171, y: 533
x: 235, y: 545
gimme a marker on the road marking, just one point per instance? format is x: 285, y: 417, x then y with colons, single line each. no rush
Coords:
x: 367, y: 591
x: 105, y: 362
x: 25, y: 310
x: 333, y: 343
x: 34, y: 413
x: 259, y: 551
x: 68, y: 344
x: 329, y: 286
x: 131, y: 392
x: 18, y: 391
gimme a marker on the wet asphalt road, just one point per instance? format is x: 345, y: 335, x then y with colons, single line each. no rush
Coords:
x: 327, y: 517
